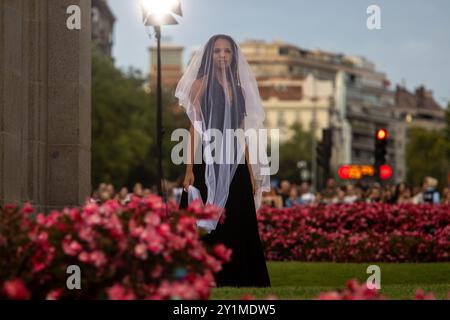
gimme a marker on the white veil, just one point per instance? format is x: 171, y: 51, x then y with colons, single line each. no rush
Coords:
x: 219, y: 92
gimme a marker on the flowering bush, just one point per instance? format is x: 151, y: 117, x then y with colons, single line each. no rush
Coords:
x: 357, y: 232
x: 353, y: 291
x: 357, y: 291
x: 143, y: 250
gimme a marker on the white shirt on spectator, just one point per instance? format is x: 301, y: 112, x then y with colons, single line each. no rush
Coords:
x: 307, y: 197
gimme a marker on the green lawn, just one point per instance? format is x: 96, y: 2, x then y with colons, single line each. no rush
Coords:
x: 305, y: 280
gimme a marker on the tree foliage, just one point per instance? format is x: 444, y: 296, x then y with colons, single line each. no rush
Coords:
x: 124, y: 127
x: 428, y: 154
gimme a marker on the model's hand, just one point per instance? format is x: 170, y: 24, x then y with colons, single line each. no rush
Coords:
x: 188, y: 180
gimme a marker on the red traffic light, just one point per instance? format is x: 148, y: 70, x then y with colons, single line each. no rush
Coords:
x: 385, y: 172
x: 344, y: 172
x: 382, y: 134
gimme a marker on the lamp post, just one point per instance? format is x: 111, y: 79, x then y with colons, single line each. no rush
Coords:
x: 314, y: 99
x: 156, y: 13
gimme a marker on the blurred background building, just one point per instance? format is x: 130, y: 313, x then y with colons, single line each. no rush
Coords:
x: 342, y: 92
x: 103, y: 26
x: 171, y: 64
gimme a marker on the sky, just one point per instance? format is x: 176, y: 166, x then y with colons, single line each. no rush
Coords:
x: 412, y: 47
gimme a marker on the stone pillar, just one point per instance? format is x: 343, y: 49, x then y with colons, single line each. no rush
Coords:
x: 45, y: 104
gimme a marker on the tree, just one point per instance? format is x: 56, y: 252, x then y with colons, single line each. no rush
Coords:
x: 427, y: 155
x: 297, y: 148
x: 124, y: 128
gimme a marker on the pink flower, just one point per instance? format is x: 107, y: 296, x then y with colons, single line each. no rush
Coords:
x: 213, y: 263
x: 90, y: 208
x: 118, y: 292
x: 27, y: 208
x: 9, y: 207
x: 15, y: 289
x: 98, y: 258
x: 93, y: 219
x: 71, y: 248
x: 43, y: 236
x: 164, y: 229
x: 140, y: 251
x: 54, y: 294
x: 331, y: 295
x: 157, y: 271
x: 222, y: 252
x: 40, y: 219
x: 83, y: 256
x: 421, y: 295
x: 152, y: 219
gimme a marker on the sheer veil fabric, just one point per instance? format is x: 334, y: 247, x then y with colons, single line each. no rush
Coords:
x: 220, y: 95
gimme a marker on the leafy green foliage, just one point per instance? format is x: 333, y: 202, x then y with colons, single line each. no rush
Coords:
x: 297, y: 148
x: 124, y: 127
x: 428, y: 154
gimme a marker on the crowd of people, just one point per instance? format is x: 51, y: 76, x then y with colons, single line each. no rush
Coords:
x: 287, y: 194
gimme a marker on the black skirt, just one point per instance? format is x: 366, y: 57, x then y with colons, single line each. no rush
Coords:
x: 239, y: 231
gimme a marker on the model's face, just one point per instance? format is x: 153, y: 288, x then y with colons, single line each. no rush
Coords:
x: 222, y: 53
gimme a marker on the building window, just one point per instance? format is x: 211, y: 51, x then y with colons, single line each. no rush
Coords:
x: 283, y: 51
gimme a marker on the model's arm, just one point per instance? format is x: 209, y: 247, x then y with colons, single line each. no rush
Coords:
x: 195, y: 99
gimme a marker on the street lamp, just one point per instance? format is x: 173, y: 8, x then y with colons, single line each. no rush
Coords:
x: 156, y: 13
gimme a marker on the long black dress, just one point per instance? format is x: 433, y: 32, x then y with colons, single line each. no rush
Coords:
x: 239, y: 231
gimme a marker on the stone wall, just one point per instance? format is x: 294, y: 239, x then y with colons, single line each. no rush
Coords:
x: 45, y: 104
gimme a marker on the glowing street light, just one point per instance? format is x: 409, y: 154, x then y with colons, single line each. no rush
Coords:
x: 156, y: 13
x: 160, y: 12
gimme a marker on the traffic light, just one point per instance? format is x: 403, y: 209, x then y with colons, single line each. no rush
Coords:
x: 380, y: 147
x: 323, y: 151
x: 381, y: 137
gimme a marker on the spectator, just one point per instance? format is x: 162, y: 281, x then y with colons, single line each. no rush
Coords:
x: 146, y: 192
x: 399, y: 189
x: 307, y: 197
x: 430, y: 194
x: 137, y: 189
x: 374, y: 195
x: 293, y: 199
x: 273, y: 199
x: 351, y: 195
x: 317, y: 199
x: 285, y: 188
x: 387, y: 196
x: 359, y: 194
x: 123, y: 196
x: 340, y: 195
x: 330, y: 191
x: 110, y: 190
x: 445, y: 196
x: 405, y: 196
x: 417, y: 196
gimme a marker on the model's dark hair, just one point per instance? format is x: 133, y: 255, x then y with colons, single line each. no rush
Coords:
x: 206, y: 68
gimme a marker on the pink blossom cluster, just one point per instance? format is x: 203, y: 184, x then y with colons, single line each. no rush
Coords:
x: 359, y: 291
x: 359, y: 232
x: 354, y: 291
x: 145, y: 249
